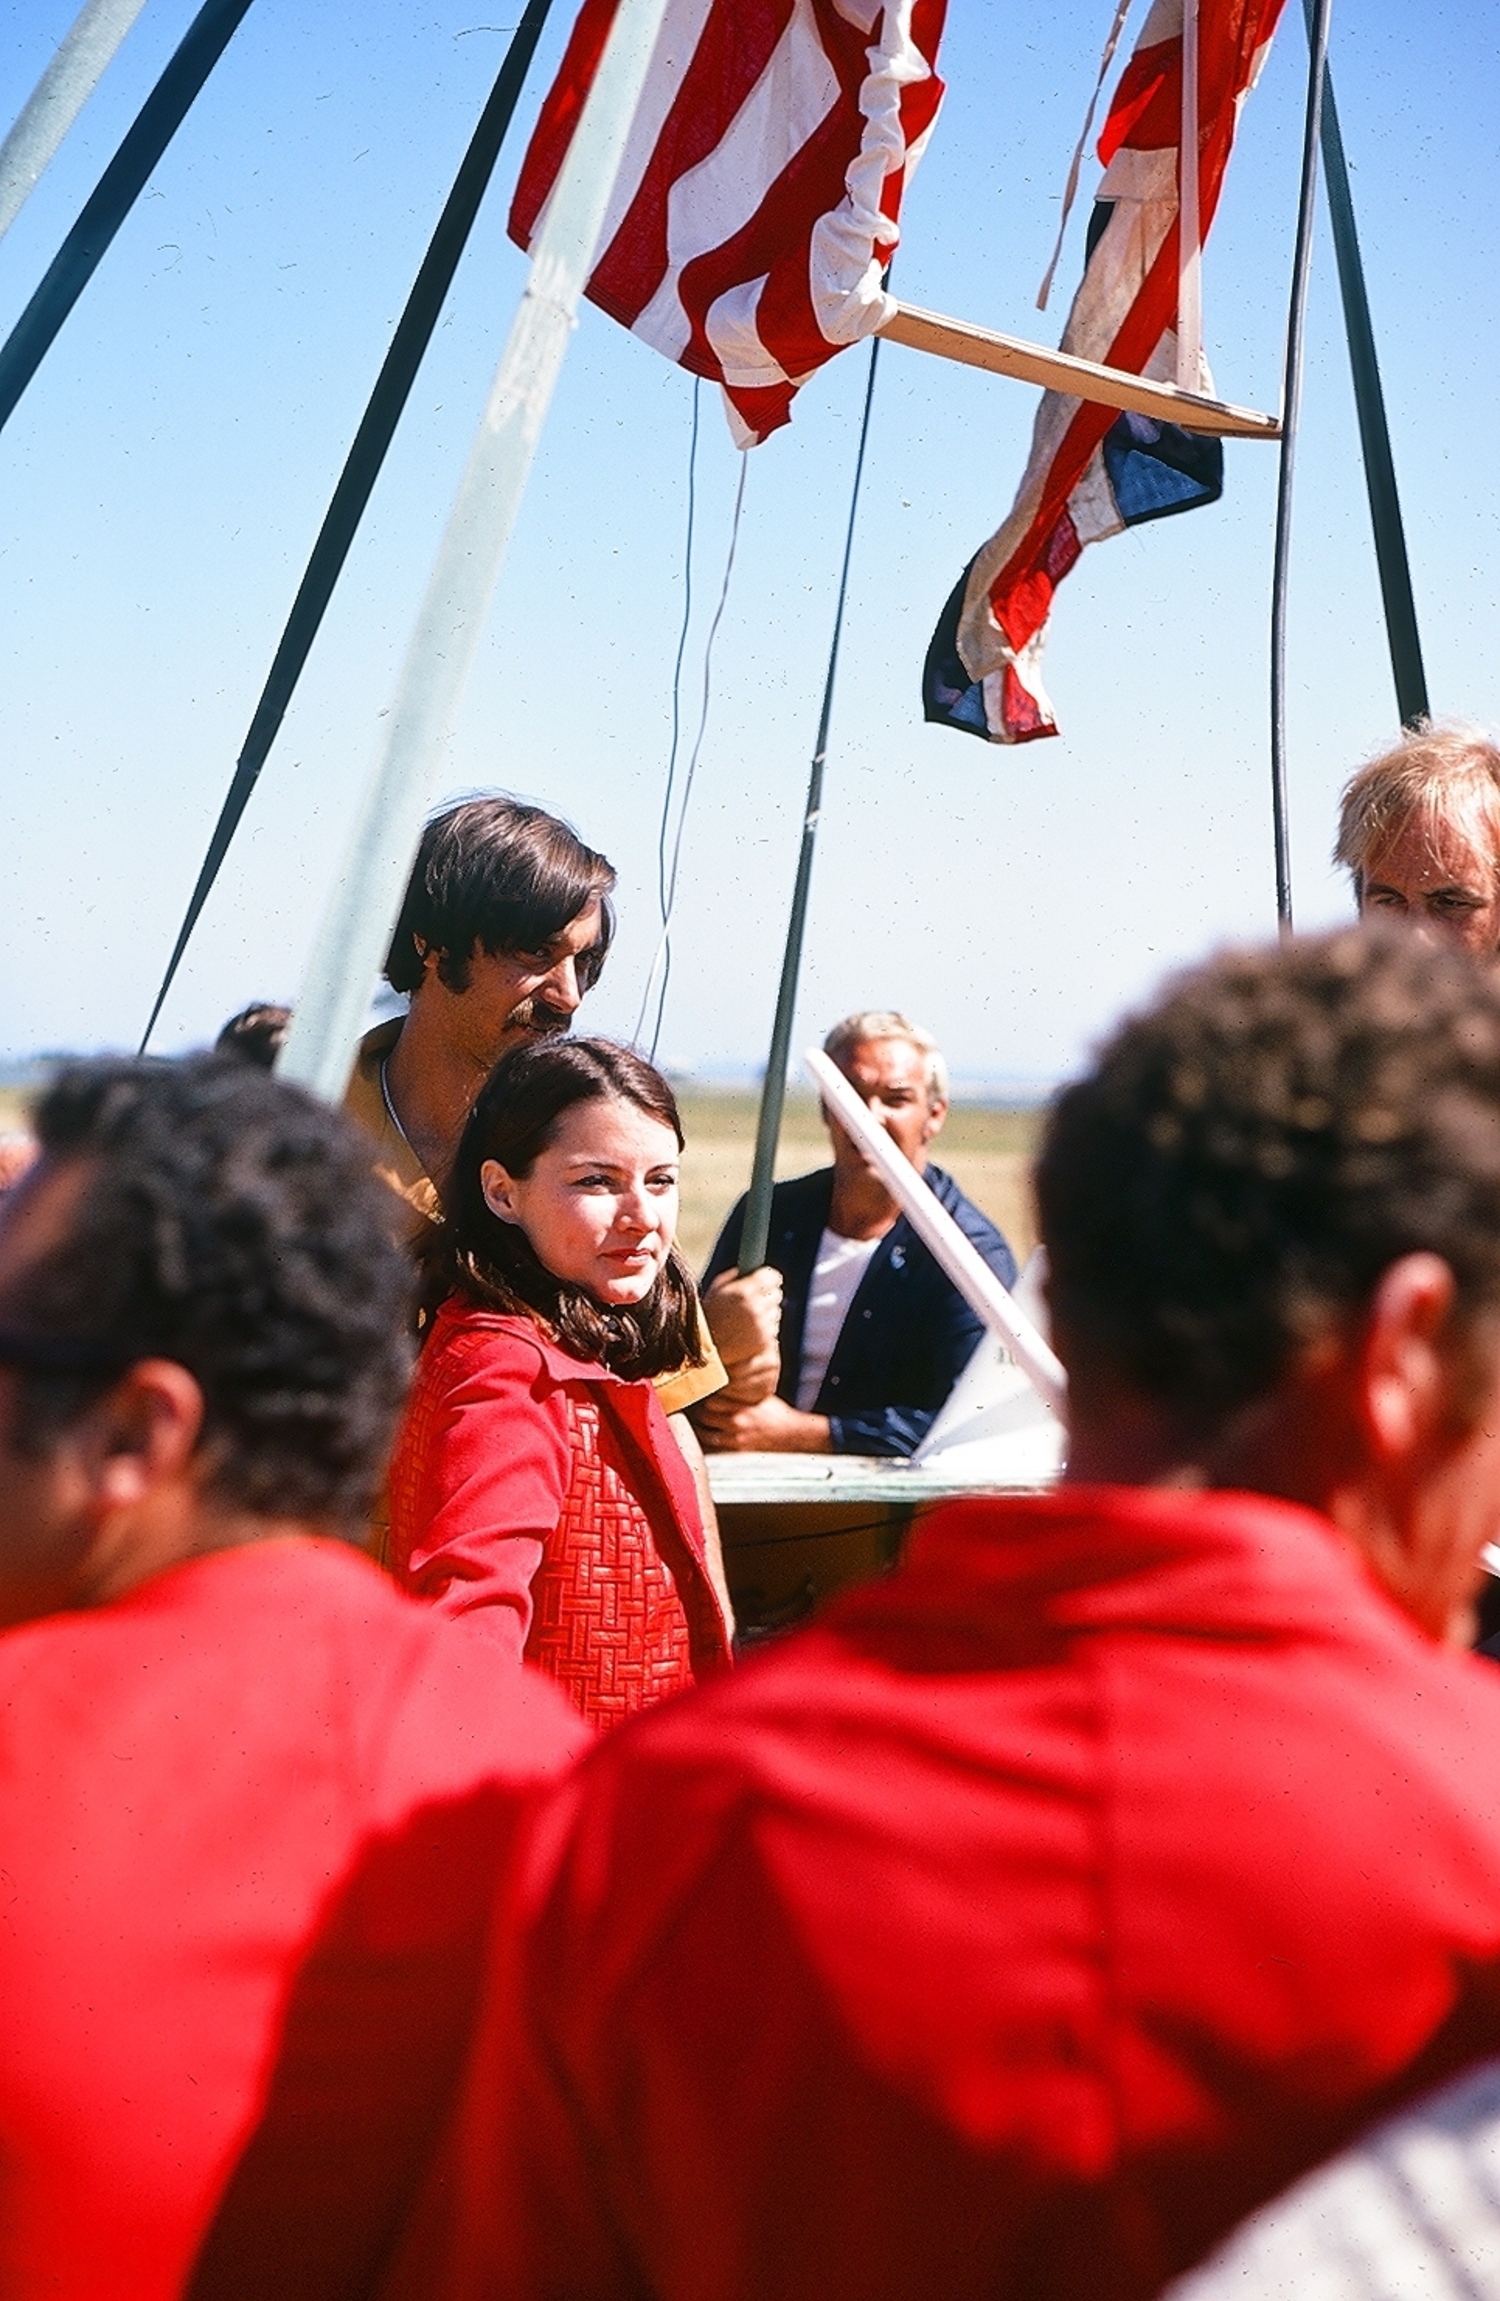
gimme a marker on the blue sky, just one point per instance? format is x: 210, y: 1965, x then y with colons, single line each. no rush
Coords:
x: 162, y: 481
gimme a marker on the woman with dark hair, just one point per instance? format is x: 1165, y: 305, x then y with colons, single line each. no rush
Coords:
x: 535, y: 1485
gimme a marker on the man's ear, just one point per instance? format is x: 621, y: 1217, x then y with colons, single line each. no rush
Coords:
x: 141, y: 1435
x: 499, y: 1191
x: 936, y: 1113
x: 1403, y: 1377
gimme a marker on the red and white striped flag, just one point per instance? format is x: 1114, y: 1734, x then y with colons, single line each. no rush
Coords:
x: 756, y: 207
x: 1093, y: 472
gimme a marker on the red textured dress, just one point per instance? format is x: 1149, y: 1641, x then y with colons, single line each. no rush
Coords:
x: 546, y: 1500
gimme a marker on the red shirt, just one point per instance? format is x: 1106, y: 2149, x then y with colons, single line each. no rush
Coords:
x: 1009, y: 1933
x: 261, y: 1758
x: 545, y: 1500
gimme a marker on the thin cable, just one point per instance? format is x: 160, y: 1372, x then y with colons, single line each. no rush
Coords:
x: 756, y: 1230
x: 682, y: 640
x: 1291, y: 401
x: 665, y: 946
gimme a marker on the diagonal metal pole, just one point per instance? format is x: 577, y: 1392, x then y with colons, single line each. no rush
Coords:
x: 1402, y: 635
x: 79, y: 63
x: 1291, y: 403
x: 756, y: 1232
x: 115, y: 195
x: 362, y: 466
x: 361, y: 913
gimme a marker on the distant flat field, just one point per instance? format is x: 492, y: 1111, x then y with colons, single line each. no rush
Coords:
x: 987, y: 1151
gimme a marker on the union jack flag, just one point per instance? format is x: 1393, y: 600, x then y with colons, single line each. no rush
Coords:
x: 1093, y: 472
x: 756, y: 207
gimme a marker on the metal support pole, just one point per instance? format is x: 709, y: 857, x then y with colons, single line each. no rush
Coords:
x: 361, y: 913
x: 82, y: 57
x: 1291, y: 400
x: 1402, y: 635
x: 756, y: 1231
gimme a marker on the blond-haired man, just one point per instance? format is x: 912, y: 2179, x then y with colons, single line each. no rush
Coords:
x: 851, y: 1337
x: 1419, y: 833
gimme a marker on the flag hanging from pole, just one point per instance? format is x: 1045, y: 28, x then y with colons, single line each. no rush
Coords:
x: 1094, y: 472
x: 758, y: 202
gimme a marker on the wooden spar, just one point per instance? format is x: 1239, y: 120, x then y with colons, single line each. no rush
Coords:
x: 410, y: 772
x: 957, y: 1256
x: 1082, y: 379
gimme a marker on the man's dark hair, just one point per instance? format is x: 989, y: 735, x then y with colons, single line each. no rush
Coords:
x: 494, y: 875
x: 257, y: 1032
x: 1247, y: 1158
x: 232, y: 1224
x: 492, y: 1263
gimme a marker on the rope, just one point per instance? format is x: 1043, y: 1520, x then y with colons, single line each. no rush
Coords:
x: 664, y: 826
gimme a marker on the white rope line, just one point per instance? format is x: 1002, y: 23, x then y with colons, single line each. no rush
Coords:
x: 664, y: 826
x: 663, y: 955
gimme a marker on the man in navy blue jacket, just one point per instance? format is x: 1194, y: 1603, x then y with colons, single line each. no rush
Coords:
x: 851, y: 1338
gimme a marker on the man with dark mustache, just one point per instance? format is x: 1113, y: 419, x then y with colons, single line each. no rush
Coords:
x: 504, y: 929
x: 505, y: 925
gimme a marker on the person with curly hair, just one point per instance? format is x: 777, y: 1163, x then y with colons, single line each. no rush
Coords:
x: 1042, y: 1909
x: 535, y: 1487
x: 252, y: 1800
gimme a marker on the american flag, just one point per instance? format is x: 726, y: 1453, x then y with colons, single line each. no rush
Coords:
x: 756, y: 207
x: 1094, y: 472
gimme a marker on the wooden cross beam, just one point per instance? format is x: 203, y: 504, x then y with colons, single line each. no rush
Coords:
x: 1081, y: 379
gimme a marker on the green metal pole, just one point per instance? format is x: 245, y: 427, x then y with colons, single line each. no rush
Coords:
x: 1402, y: 635
x: 756, y: 1231
x: 1291, y: 402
